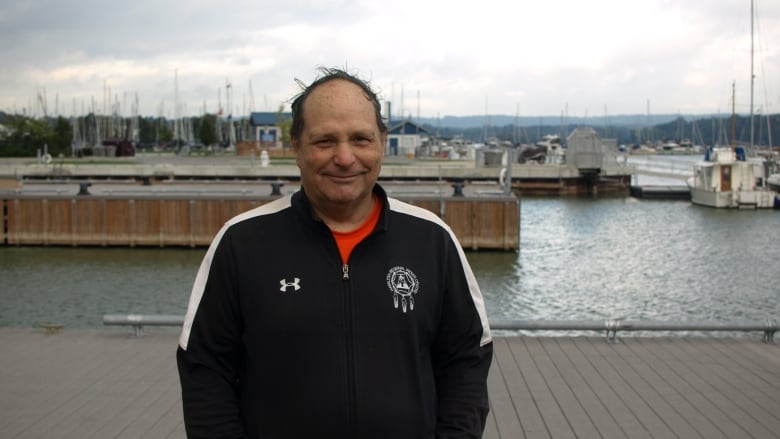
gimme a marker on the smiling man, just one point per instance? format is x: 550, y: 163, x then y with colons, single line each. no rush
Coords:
x: 339, y: 144
x: 335, y: 311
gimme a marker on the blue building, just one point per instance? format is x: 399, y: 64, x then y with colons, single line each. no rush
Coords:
x: 405, y: 138
x: 266, y: 127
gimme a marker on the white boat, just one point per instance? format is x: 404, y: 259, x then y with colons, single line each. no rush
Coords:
x: 773, y: 182
x: 726, y: 179
x: 772, y: 170
x: 552, y: 144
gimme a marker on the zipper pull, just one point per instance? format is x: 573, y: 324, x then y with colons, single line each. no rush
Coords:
x: 345, y: 272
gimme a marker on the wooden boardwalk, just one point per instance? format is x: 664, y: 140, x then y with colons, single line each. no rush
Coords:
x: 108, y: 384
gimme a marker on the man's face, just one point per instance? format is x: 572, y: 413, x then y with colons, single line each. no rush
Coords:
x: 340, y: 150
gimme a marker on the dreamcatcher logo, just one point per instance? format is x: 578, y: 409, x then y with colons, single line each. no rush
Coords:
x: 403, y: 283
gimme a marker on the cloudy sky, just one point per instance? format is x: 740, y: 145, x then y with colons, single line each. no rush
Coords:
x: 429, y: 57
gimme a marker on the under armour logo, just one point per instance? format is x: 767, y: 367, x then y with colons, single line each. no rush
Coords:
x: 296, y: 284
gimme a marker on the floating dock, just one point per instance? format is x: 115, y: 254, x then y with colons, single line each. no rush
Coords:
x: 526, y: 179
x: 661, y: 192
x: 180, y: 213
x: 152, y: 200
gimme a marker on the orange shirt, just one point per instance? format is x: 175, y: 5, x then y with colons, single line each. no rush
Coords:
x: 348, y: 240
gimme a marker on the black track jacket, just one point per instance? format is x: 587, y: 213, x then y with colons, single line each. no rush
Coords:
x: 283, y: 340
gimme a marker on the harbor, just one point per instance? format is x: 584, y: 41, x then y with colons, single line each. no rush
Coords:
x: 620, y: 223
x: 582, y: 258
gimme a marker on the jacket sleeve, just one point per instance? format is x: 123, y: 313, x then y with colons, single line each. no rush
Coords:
x: 462, y: 353
x: 209, y: 351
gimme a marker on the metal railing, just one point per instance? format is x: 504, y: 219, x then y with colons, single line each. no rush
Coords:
x: 611, y: 327
x: 138, y: 321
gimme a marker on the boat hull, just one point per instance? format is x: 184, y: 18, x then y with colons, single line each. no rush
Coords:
x: 758, y: 199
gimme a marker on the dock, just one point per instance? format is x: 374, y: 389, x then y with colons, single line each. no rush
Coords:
x: 110, y: 384
x: 661, y: 192
x: 482, y: 215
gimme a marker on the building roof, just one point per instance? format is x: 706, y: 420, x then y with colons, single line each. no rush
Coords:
x: 406, y: 127
x: 267, y: 117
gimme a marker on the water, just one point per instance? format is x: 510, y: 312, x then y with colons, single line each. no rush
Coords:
x: 76, y: 286
x: 623, y: 258
x: 580, y: 258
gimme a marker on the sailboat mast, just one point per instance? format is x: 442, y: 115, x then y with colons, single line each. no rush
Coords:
x: 752, y: 75
x: 176, y: 121
x: 733, y: 115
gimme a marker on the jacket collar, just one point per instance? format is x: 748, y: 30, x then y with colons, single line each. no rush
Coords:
x: 302, y: 205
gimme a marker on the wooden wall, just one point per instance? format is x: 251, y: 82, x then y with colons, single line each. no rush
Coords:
x: 479, y: 223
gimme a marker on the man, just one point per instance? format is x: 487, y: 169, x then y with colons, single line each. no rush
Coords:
x: 336, y: 311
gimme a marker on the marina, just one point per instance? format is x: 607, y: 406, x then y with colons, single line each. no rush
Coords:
x: 624, y: 242
x: 661, y: 265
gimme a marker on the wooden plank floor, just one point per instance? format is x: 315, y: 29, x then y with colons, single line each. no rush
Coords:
x: 108, y: 384
x: 634, y: 388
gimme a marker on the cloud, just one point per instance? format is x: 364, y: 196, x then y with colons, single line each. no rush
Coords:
x: 433, y: 58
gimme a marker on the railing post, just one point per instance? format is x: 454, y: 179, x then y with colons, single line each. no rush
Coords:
x: 770, y: 326
x: 612, y: 327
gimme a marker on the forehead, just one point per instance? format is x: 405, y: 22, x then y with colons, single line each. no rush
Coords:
x: 337, y: 87
x: 338, y: 99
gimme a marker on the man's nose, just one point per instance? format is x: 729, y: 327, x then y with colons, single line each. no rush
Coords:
x: 344, y: 155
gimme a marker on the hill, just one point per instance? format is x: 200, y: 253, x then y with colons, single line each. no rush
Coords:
x: 497, y: 120
x: 707, y: 129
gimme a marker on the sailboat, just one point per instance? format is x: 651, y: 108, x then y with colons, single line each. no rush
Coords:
x: 726, y: 178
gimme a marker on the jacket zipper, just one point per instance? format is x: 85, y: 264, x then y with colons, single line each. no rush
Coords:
x: 349, y: 352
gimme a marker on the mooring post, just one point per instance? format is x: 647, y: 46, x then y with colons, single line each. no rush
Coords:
x: 276, y: 188
x: 457, y: 187
x: 84, y: 188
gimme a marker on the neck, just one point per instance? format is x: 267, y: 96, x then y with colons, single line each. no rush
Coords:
x: 347, y: 217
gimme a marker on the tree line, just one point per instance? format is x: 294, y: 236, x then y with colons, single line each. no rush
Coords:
x: 702, y: 131
x: 23, y: 136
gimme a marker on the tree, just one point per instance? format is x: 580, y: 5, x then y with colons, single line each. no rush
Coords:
x: 62, y: 137
x: 284, y: 125
x: 147, y: 133
x: 164, y: 132
x: 207, y: 133
x: 25, y: 136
